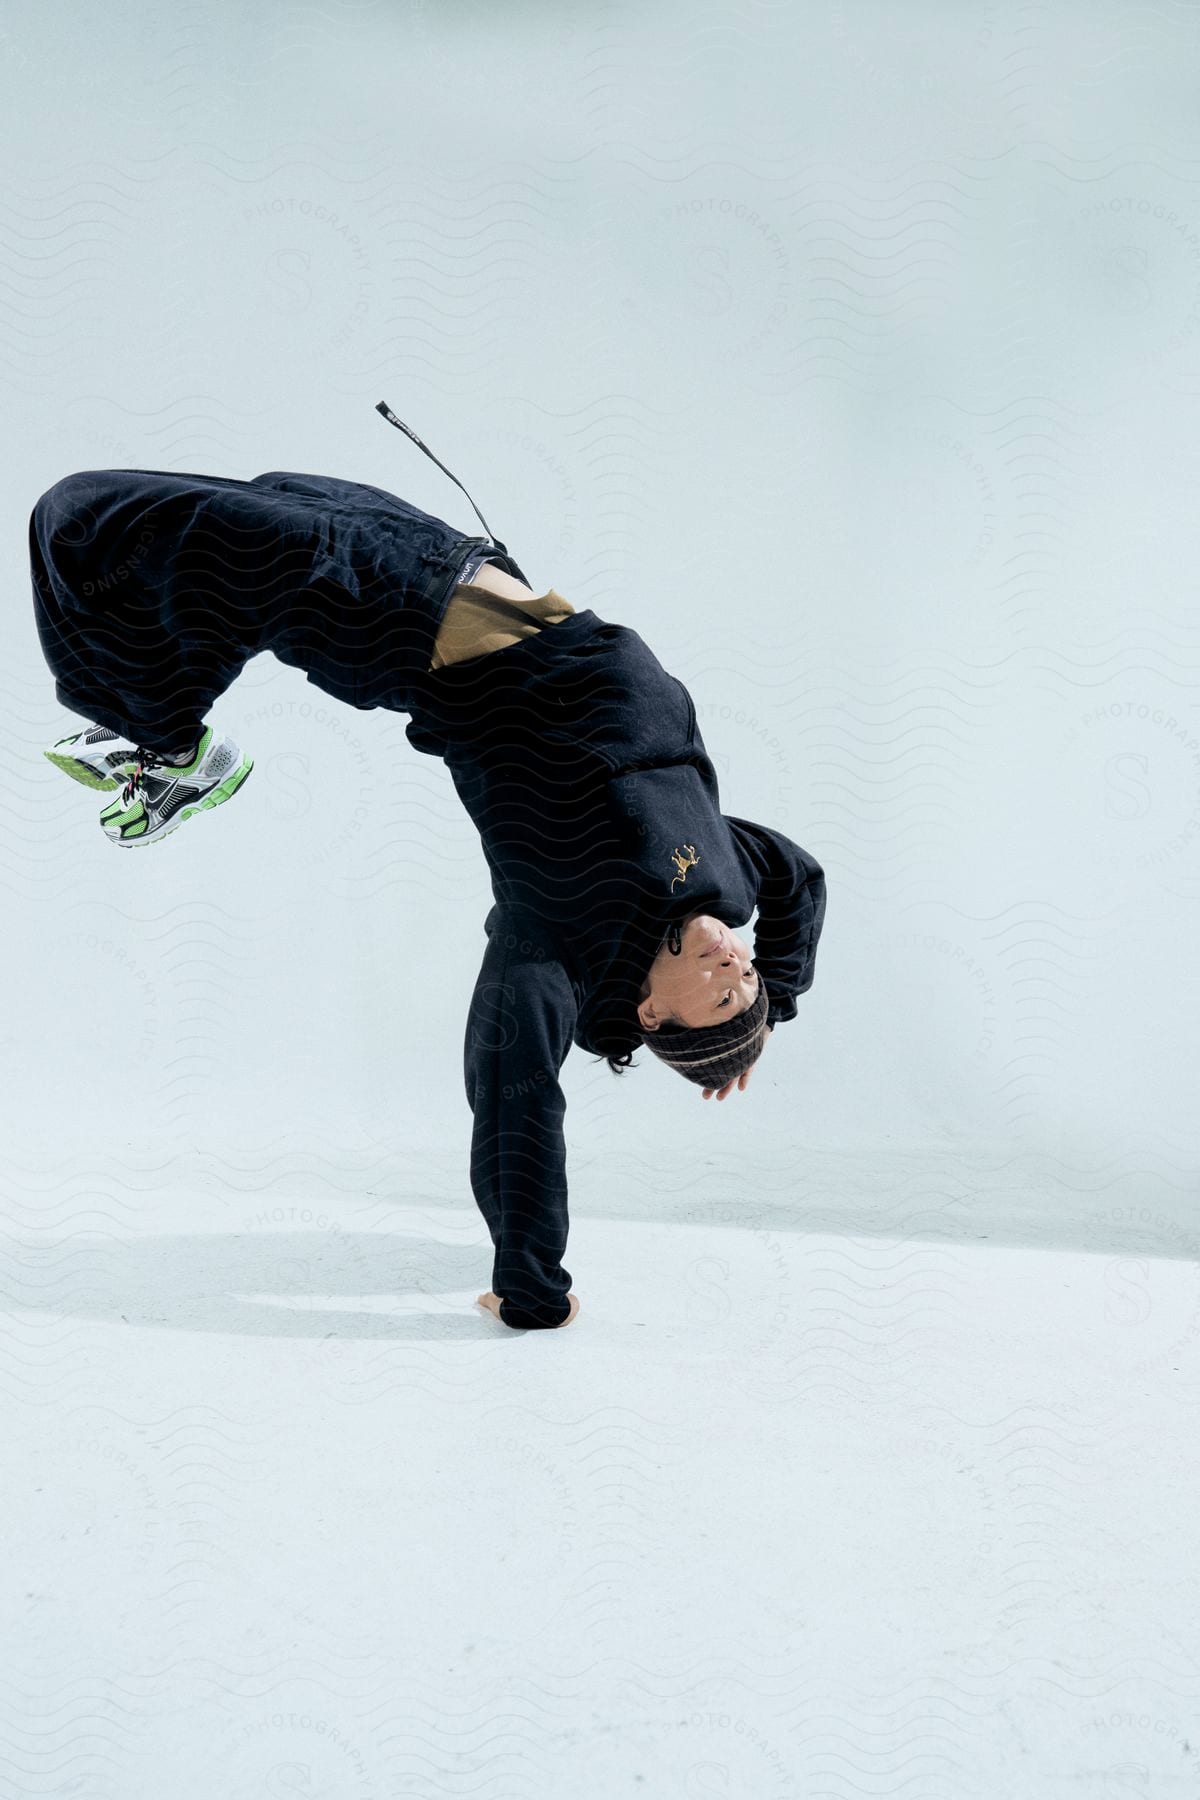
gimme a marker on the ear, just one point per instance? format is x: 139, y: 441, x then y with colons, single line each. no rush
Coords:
x: 647, y: 1016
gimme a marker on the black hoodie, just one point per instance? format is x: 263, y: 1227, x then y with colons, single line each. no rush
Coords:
x: 579, y: 760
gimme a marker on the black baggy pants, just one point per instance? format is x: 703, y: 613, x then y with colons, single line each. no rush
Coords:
x: 153, y: 589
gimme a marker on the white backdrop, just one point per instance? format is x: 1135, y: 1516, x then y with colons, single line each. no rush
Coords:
x: 851, y: 353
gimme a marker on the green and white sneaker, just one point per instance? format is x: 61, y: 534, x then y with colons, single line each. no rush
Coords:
x: 98, y: 757
x: 158, y: 795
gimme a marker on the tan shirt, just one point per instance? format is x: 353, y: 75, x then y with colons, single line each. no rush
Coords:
x: 491, y: 611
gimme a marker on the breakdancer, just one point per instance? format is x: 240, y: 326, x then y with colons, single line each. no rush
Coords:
x: 620, y: 888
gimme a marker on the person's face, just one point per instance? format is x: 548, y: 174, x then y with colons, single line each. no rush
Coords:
x: 712, y: 978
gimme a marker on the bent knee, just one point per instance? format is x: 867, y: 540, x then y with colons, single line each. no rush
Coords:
x: 65, y: 510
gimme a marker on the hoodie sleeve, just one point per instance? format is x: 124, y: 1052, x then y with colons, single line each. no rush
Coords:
x: 519, y: 1030
x: 791, y: 914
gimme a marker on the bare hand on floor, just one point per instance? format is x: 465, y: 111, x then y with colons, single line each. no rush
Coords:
x: 492, y: 1303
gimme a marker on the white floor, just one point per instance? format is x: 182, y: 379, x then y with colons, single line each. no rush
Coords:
x: 902, y: 1505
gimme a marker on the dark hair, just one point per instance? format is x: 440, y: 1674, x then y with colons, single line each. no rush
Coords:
x: 619, y: 1064
x: 620, y: 1058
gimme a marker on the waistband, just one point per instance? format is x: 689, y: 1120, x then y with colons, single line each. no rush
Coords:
x: 475, y: 562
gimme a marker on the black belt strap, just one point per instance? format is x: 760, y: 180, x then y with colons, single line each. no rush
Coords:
x: 381, y: 406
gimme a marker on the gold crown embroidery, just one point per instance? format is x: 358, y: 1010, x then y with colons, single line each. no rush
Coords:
x: 684, y: 863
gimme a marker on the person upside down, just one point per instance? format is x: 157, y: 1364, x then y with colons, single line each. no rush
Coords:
x: 619, y: 886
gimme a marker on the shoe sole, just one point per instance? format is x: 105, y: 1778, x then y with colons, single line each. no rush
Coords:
x: 228, y: 787
x: 78, y: 771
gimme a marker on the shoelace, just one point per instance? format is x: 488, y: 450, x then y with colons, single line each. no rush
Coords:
x: 143, y: 759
